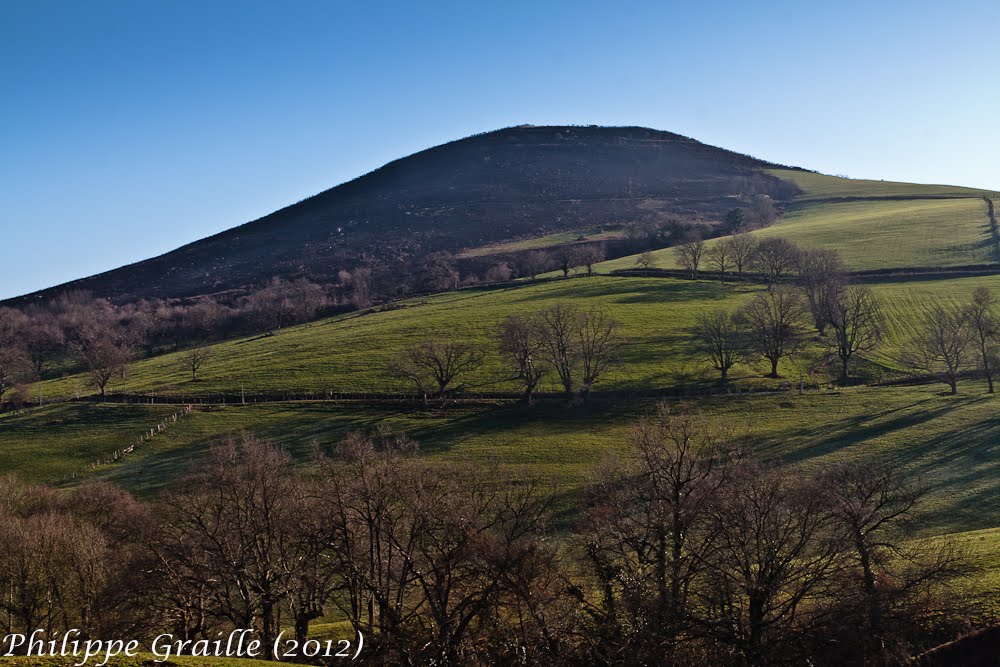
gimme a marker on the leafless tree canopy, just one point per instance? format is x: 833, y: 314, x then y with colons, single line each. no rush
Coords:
x: 854, y: 314
x: 520, y: 342
x: 742, y: 246
x: 821, y: 276
x: 722, y: 339
x: 434, y: 366
x: 689, y: 256
x: 942, y: 344
x: 774, y: 258
x: 985, y: 324
x: 646, y: 260
x: 582, y: 346
x: 775, y: 321
x: 720, y: 256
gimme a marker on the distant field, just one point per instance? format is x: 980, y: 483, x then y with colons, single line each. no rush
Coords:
x: 891, y: 234
x: 877, y: 234
x: 540, y: 242
x: 821, y: 186
x: 352, y: 353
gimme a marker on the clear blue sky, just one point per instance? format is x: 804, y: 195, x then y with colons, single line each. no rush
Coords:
x: 130, y: 128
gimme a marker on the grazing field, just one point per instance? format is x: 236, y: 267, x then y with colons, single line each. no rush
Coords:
x: 820, y: 186
x: 891, y: 234
x: 352, y: 353
x: 541, y: 242
x: 915, y: 233
x: 949, y: 441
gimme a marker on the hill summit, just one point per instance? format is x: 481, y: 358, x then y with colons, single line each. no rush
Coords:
x: 508, y: 184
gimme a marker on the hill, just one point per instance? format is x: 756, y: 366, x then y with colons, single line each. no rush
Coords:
x: 510, y: 184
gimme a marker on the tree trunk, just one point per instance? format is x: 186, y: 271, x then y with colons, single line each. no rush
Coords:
x: 774, y: 368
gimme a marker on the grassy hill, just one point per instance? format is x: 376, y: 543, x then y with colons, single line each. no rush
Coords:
x: 876, y: 225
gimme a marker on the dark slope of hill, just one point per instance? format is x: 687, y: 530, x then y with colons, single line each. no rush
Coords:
x: 488, y: 188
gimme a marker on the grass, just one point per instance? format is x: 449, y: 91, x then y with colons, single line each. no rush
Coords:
x: 542, y: 242
x: 820, y: 186
x: 870, y: 235
x: 950, y: 441
x: 352, y: 353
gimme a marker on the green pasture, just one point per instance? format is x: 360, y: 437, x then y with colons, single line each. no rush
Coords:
x: 949, y: 441
x: 872, y: 235
x: 352, y: 353
x: 820, y: 186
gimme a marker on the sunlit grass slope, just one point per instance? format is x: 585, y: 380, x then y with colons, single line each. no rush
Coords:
x: 951, y: 442
x: 893, y: 234
x: 895, y: 225
x: 821, y: 186
x: 352, y: 353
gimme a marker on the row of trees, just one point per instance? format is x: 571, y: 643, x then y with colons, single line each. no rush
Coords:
x: 686, y: 551
x: 77, y: 332
x: 577, y: 346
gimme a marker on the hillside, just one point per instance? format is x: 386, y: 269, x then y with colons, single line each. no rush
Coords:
x: 493, y: 187
x: 877, y: 225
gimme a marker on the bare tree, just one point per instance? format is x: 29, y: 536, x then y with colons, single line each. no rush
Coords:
x: 775, y: 323
x: 558, y: 328
x: 500, y: 272
x: 362, y: 287
x: 646, y: 260
x: 591, y: 254
x: 240, y: 515
x: 438, y: 273
x: 577, y: 343
x: 940, y: 345
x: 568, y: 257
x: 771, y: 556
x: 103, y: 347
x: 521, y: 347
x: 535, y: 262
x: 854, y: 314
x: 600, y: 345
x: 721, y: 338
x: 434, y: 366
x: 645, y: 535
x: 985, y: 324
x: 195, y: 358
x: 12, y: 355
x: 764, y: 212
x: 774, y: 258
x: 821, y: 276
x: 873, y: 502
x: 743, y: 246
x: 720, y: 256
x: 689, y: 256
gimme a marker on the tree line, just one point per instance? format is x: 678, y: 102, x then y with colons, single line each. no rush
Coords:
x: 684, y: 550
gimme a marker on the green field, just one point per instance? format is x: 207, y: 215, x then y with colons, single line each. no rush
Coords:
x: 352, y: 353
x: 541, y: 242
x: 821, y: 186
x: 871, y: 235
x: 897, y: 225
x: 949, y: 441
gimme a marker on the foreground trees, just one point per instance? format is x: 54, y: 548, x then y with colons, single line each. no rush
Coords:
x: 687, y: 552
